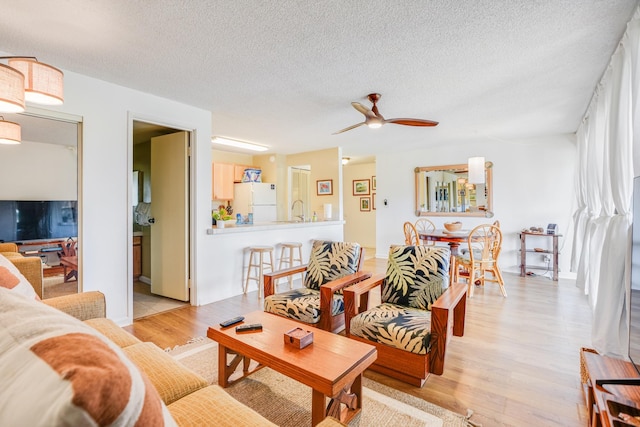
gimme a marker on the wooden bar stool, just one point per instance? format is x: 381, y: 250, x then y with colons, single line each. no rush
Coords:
x: 258, y: 262
x: 290, y: 257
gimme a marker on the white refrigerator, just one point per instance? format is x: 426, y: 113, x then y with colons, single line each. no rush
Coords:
x: 258, y: 198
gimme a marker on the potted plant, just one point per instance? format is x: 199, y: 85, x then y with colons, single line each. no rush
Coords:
x: 220, y: 214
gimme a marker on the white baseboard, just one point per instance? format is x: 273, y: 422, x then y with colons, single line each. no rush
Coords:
x: 145, y: 279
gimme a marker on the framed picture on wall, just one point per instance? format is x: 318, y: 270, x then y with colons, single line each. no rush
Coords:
x: 373, y: 182
x: 324, y: 187
x: 361, y: 187
x: 373, y: 201
x: 365, y: 204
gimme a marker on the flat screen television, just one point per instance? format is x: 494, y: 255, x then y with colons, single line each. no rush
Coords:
x: 28, y: 220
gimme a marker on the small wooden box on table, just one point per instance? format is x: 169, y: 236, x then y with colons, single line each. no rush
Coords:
x: 600, y: 397
x: 332, y: 365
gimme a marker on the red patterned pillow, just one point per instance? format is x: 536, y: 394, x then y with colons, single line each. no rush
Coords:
x: 57, y: 371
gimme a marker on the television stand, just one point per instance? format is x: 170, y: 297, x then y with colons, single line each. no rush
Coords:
x: 609, y: 380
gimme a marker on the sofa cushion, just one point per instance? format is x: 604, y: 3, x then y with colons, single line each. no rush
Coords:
x: 416, y: 275
x: 212, y: 406
x: 12, y: 279
x: 172, y: 379
x: 57, y: 371
x: 330, y: 261
x: 115, y: 333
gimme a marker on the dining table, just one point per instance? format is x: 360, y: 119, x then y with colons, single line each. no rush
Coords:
x: 453, y: 238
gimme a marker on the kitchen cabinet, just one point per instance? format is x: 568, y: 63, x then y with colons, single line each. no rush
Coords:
x: 222, y: 181
x: 238, y: 171
x: 137, y: 257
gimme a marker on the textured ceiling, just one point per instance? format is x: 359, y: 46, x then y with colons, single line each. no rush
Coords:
x: 283, y: 73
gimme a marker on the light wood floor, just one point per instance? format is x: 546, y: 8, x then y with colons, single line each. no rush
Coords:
x: 516, y: 365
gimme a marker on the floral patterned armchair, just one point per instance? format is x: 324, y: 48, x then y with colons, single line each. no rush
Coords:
x: 332, y: 266
x: 418, y: 313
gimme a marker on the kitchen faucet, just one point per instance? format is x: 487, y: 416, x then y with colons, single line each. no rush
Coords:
x: 293, y: 205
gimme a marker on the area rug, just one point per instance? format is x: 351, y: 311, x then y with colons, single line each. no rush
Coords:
x: 286, y: 402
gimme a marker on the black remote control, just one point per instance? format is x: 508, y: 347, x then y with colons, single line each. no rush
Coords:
x: 250, y: 327
x: 232, y: 321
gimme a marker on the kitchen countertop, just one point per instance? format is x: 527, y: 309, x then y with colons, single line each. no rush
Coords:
x: 248, y: 228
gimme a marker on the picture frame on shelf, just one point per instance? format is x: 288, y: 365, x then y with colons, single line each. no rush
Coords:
x: 373, y: 183
x: 361, y: 187
x: 365, y: 204
x: 373, y: 201
x: 324, y: 187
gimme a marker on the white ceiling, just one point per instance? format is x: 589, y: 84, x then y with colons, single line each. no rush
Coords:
x: 283, y: 73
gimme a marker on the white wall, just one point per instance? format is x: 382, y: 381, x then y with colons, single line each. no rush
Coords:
x: 359, y: 226
x: 105, y: 230
x: 533, y: 185
x: 38, y: 171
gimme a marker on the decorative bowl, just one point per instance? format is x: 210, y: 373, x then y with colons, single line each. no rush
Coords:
x: 453, y: 226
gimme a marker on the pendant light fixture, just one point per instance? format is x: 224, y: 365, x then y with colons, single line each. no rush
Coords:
x: 11, y: 90
x: 26, y: 79
x: 10, y: 133
x: 43, y: 84
x: 476, y: 170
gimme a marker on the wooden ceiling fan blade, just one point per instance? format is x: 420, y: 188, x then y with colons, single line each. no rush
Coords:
x: 412, y: 122
x: 349, y: 128
x: 364, y: 110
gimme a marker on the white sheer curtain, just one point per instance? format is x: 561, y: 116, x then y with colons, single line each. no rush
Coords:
x: 581, y: 216
x: 606, y: 177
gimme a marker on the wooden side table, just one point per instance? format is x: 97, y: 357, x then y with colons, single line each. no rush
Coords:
x: 524, y: 251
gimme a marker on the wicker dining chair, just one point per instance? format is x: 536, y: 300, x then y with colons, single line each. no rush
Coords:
x: 410, y: 234
x: 484, y: 246
x: 424, y: 225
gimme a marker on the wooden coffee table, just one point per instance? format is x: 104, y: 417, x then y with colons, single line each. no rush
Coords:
x: 332, y: 365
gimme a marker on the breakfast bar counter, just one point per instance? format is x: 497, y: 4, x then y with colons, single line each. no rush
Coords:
x: 230, y: 257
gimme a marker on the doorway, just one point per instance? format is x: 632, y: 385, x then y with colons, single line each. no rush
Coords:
x: 151, y: 247
x: 299, y: 178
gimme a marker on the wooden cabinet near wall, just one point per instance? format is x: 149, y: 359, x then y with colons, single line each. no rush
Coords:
x: 222, y: 181
x: 238, y: 171
x: 137, y: 257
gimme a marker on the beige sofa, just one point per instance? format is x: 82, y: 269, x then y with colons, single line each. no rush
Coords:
x: 189, y: 399
x: 30, y: 267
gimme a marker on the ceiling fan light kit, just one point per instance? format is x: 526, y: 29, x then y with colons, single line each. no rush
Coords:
x: 374, y: 120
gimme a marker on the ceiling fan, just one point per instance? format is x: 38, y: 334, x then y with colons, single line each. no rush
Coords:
x: 374, y: 119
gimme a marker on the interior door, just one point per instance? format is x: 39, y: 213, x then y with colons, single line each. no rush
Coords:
x: 170, y: 210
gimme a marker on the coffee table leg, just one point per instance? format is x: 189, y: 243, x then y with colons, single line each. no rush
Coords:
x: 223, y: 375
x: 318, y: 408
x: 350, y: 397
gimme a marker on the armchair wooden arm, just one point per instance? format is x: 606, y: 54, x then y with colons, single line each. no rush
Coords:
x: 270, y: 278
x: 356, y: 297
x: 447, y: 319
x: 327, y: 292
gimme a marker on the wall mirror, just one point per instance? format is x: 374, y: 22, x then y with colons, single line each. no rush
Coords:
x: 445, y: 191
